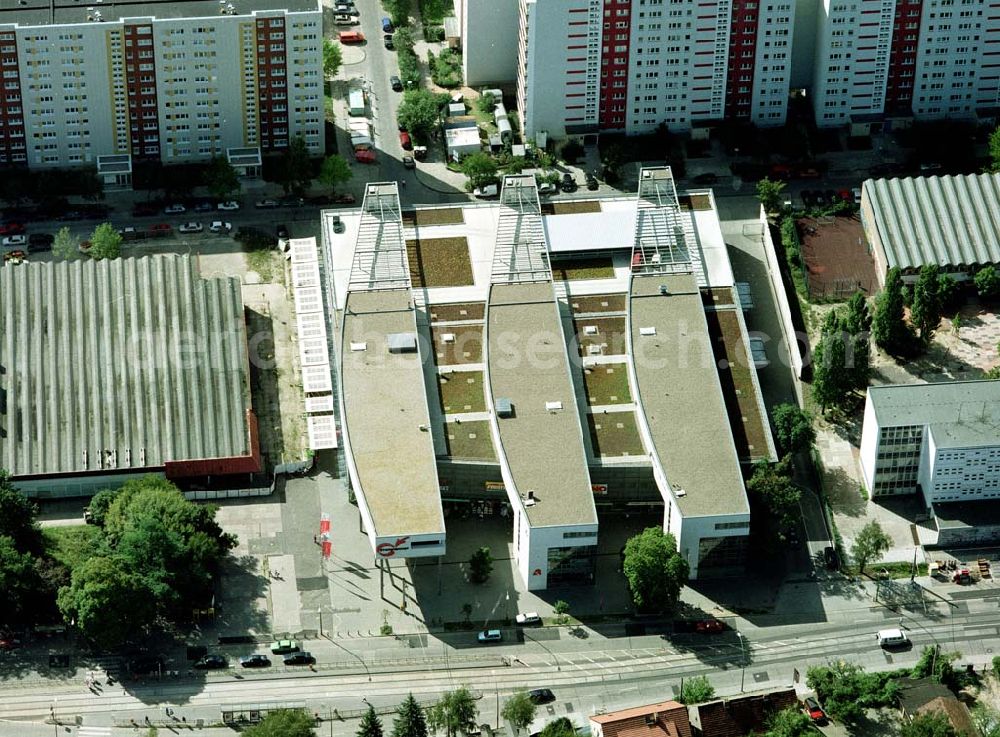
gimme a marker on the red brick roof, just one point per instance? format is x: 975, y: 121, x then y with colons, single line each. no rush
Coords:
x: 667, y: 719
x: 742, y: 715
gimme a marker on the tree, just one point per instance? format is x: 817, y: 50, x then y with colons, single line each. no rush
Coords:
x: 515, y: 165
x: 486, y: 103
x: 335, y: 171
x: 480, y: 168
x: 419, y: 112
x: 399, y: 11
x: 332, y: 58
x: 572, y: 150
x: 105, y: 242
x: 454, y: 712
x: 370, y: 725
x: 870, y: 544
x: 561, y: 608
x: 410, y: 720
x: 771, y: 491
x: 561, y: 727
x: 696, y: 690
x: 830, y: 376
x: 793, y: 429
x: 480, y: 565
x: 296, y: 169
x: 17, y: 517
x: 889, y: 328
x: 221, y: 179
x: 108, y: 601
x: 929, y: 724
x: 949, y: 291
x: 771, y: 194
x: 519, y: 710
x: 19, y: 582
x: 284, y: 723
x: 655, y: 571
x: 99, y: 505
x: 403, y: 38
x: 995, y: 150
x: 66, y: 246
x: 857, y: 323
x: 926, y: 311
x: 987, y: 281
x: 986, y: 719
x: 790, y: 722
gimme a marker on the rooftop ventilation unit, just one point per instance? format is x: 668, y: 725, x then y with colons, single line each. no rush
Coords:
x: 448, y: 338
x: 402, y: 343
x: 647, y: 331
x: 664, y: 290
x: 359, y: 346
x: 553, y: 406
x: 590, y: 330
x: 530, y: 501
x: 504, y: 407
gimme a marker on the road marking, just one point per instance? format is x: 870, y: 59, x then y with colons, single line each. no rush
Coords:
x: 94, y: 732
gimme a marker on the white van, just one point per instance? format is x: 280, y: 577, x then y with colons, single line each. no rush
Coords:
x: 891, y: 638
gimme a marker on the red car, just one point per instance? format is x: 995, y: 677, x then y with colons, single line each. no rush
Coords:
x: 709, y: 626
x: 364, y: 157
x: 846, y: 195
x: 404, y: 140
x: 160, y: 229
x: 345, y: 199
x: 143, y: 210
x: 814, y: 710
x: 11, y: 229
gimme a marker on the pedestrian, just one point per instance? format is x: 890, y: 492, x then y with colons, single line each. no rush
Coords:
x: 315, y: 540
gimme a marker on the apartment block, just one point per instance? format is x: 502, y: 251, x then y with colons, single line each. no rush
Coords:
x: 184, y: 83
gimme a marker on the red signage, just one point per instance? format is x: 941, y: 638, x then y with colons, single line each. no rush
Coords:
x: 387, y: 550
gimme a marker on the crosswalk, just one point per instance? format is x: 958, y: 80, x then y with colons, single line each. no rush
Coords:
x: 94, y: 732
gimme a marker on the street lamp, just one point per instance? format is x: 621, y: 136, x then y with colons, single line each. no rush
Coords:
x: 743, y: 650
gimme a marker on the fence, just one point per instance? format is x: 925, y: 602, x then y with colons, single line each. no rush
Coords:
x: 780, y: 296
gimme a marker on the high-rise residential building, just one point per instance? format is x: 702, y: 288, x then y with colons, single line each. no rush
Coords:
x: 182, y: 82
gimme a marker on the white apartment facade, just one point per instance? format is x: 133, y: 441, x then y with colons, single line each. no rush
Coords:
x: 174, y: 89
x: 493, y: 23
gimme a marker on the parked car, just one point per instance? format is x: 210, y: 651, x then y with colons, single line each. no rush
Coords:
x: 592, y: 183
x: 346, y: 10
x: 420, y: 153
x: 220, y: 226
x: 709, y: 626
x: 15, y: 240
x: 490, y: 636
x: 161, y: 229
x: 282, y: 647
x: 40, y: 241
x: 487, y: 190
x: 830, y: 558
x: 351, y: 37
x: 15, y: 257
x: 299, y: 659
x: 540, y: 696
x: 814, y: 710
x: 387, y: 40
x: 174, y: 209
x: 845, y: 195
x: 405, y: 141
x: 547, y: 188
x: 364, y: 156
x: 856, y: 195
x: 145, y: 664
x: 706, y: 178
x: 345, y: 199
x: 568, y: 183
x: 396, y: 83
x: 267, y: 204
x: 257, y: 660
x: 191, y: 228
x: 228, y: 206
x: 282, y: 231
x: 528, y: 618
x: 11, y: 229
x: 409, y: 163
x: 387, y: 26
x: 342, y: 19
x: 211, y: 662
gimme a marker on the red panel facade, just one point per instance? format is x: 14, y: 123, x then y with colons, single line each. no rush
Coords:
x: 614, y: 64
x: 12, y: 141
x: 903, y: 57
x: 742, y: 57
x: 140, y: 83
x: 272, y: 84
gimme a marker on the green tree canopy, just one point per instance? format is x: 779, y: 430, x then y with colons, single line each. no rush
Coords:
x: 831, y: 380
x: 928, y: 724
x: 20, y: 584
x: 399, y: 11
x: 519, y: 710
x: 857, y: 323
x: 561, y: 727
x: 221, y: 178
x: 987, y: 281
x: 333, y: 57
x: 420, y: 111
x: 889, y: 327
x: 335, y: 171
x: 410, y: 720
x: 99, y: 505
x: 284, y: 723
x: 846, y: 690
x: 995, y: 151
x: 870, y: 545
x: 105, y: 242
x: 17, y: 517
x: 65, y: 245
x: 295, y: 172
x: 480, y: 168
x: 790, y: 722
x: 370, y: 725
x: 403, y: 38
x: 925, y: 314
x: 771, y: 194
x: 793, y: 428
x: 454, y: 712
x: 772, y: 492
x: 480, y: 565
x: 655, y: 571
x: 696, y: 690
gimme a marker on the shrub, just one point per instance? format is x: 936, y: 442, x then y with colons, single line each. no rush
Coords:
x: 996, y: 666
x: 433, y: 33
x: 572, y: 150
x: 988, y: 282
x: 446, y: 68
x: 254, y: 239
x: 790, y: 238
x: 696, y: 690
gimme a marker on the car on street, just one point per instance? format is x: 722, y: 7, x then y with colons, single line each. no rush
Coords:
x: 405, y: 141
x: 387, y: 40
x: 814, y: 710
x: 40, y: 241
x: 281, y: 647
x: 527, y: 618
x: 342, y: 19
x: 281, y: 231
x: 174, y: 209
x: 345, y: 199
x: 302, y: 658
x: 409, y: 163
x: 387, y: 26
x: 15, y: 240
x: 396, y: 83
x: 228, y: 206
x: 490, y: 636
x: 547, y: 188
x: 351, y: 37
x: 191, y: 228
x: 346, y: 10
x: 364, y: 156
x: 220, y: 226
x: 211, y: 662
x: 257, y: 660
x: 131, y: 233
x: 161, y: 229
x: 541, y: 696
x: 11, y: 229
x: 568, y: 183
x: 15, y: 257
x: 856, y: 193
x: 706, y: 178
x: 487, y: 190
x: 709, y: 626
x: 592, y: 183
x: 267, y: 204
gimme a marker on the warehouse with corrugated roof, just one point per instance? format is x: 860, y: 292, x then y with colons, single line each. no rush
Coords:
x: 951, y: 221
x: 119, y: 368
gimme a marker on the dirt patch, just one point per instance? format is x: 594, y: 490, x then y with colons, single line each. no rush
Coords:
x: 469, y: 440
x: 610, y: 335
x: 570, y: 208
x: 434, y: 216
x: 606, y: 384
x: 694, y: 202
x: 614, y: 435
x: 455, y: 312
x: 836, y: 259
x: 597, y: 303
x: 464, y: 344
x: 462, y: 391
x: 439, y: 262
x: 598, y: 267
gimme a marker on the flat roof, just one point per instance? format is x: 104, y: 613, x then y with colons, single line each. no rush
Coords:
x: 41, y: 13
x: 529, y: 366
x: 385, y: 404
x: 958, y: 413
x: 119, y: 365
x: 680, y: 395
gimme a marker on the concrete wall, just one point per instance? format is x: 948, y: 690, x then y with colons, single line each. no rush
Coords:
x: 694, y: 529
x: 804, y: 44
x: 781, y: 298
x: 869, y: 445
x: 489, y: 41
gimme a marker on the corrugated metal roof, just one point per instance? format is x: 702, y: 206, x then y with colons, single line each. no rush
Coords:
x: 120, y: 364
x: 950, y: 220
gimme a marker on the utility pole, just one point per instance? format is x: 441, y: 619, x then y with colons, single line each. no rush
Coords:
x: 743, y: 670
